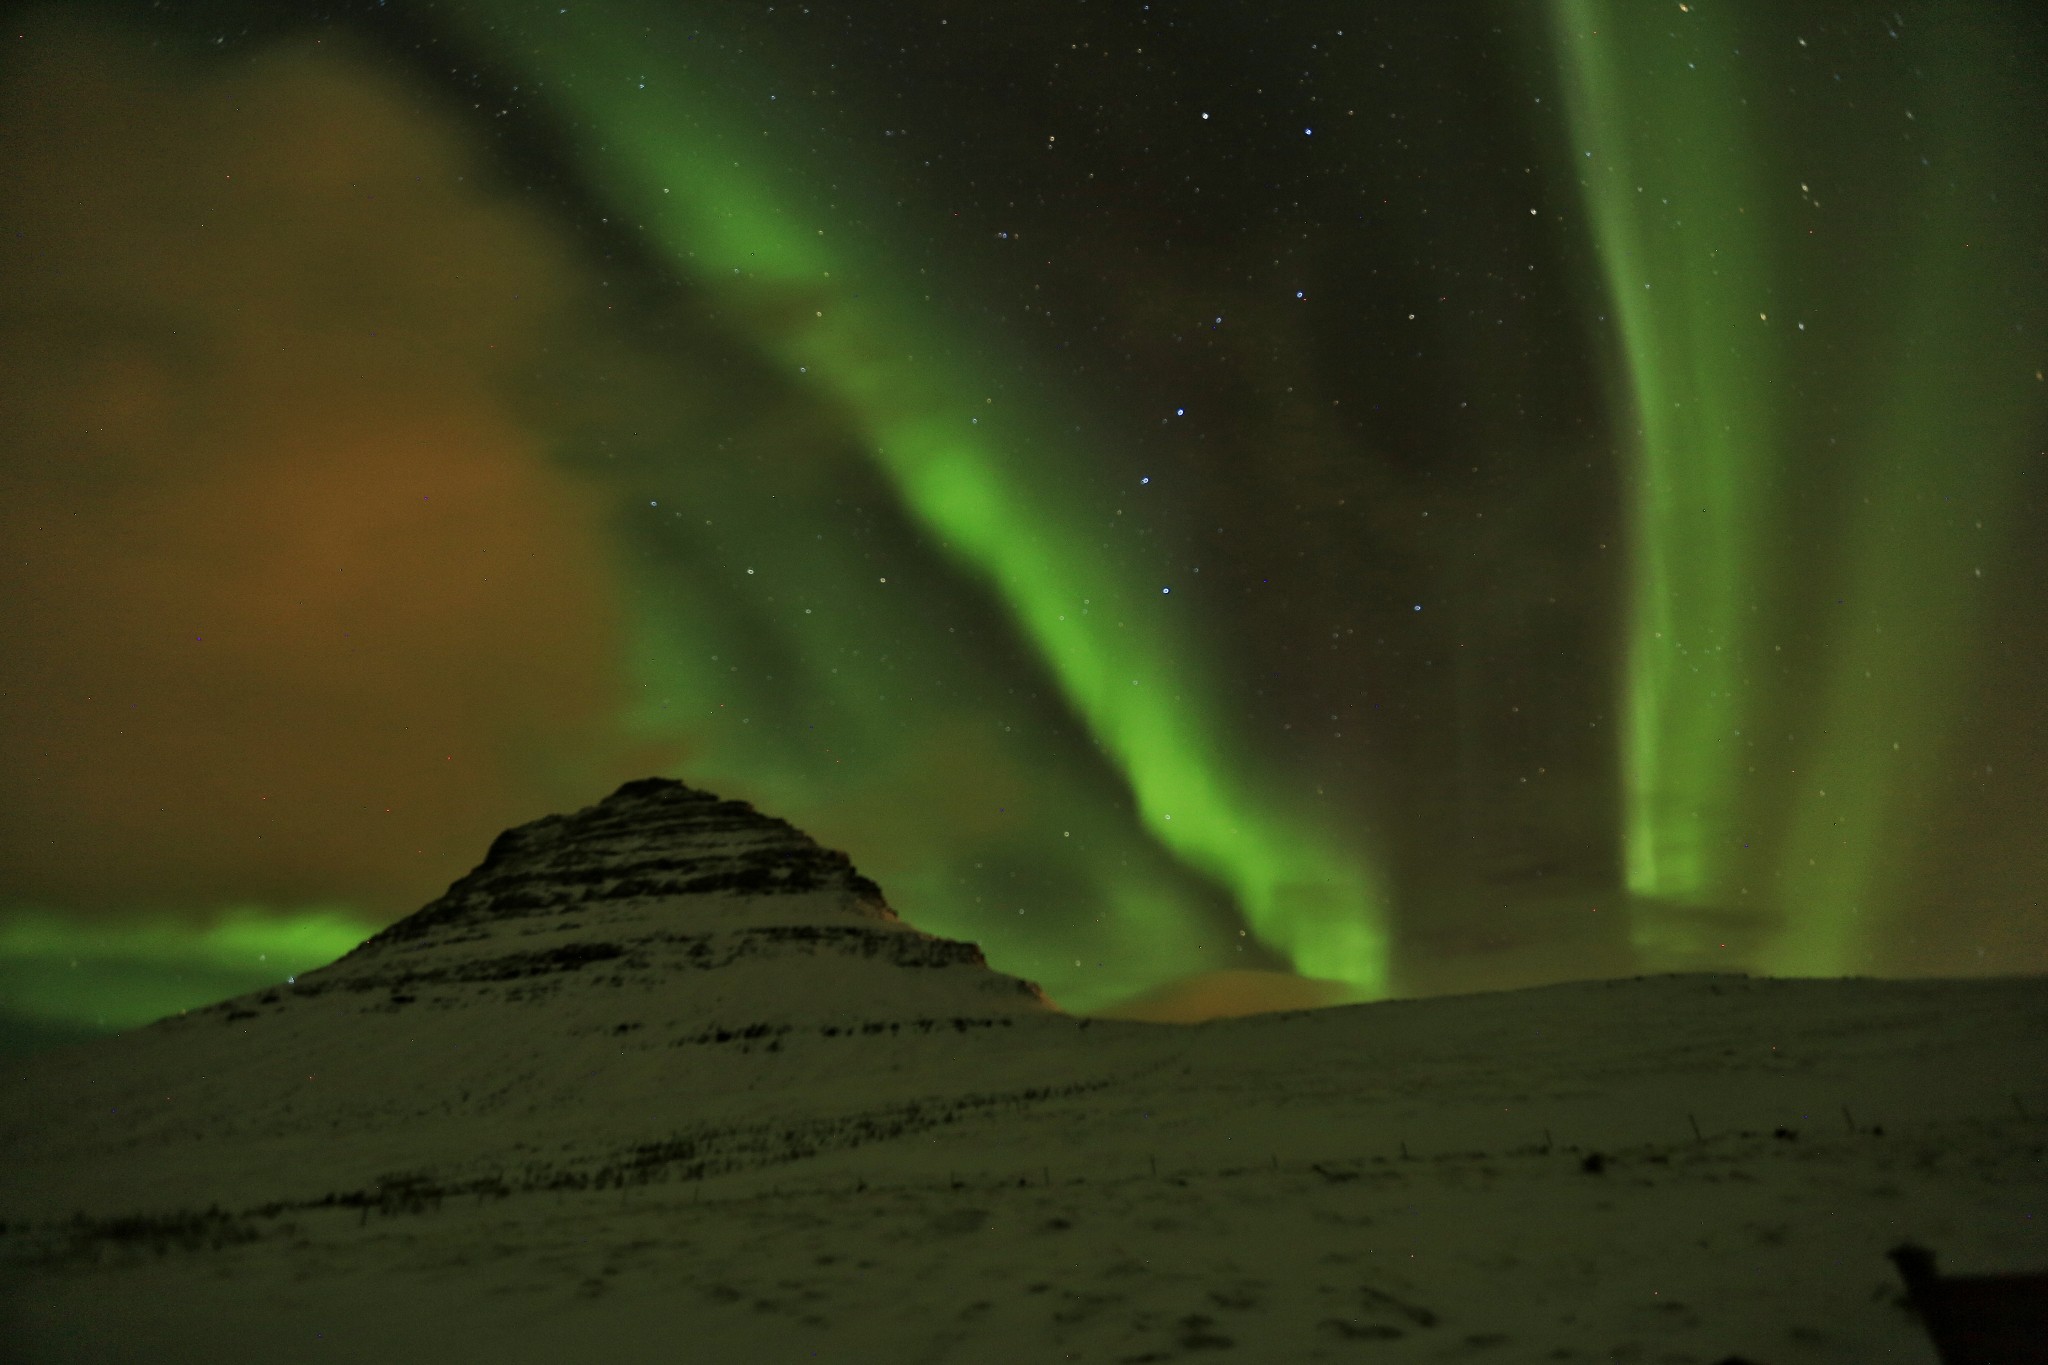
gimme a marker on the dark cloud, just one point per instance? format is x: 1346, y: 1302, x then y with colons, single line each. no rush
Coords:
x: 296, y: 601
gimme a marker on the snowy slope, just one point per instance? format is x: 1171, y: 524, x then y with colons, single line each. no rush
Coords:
x: 777, y: 1124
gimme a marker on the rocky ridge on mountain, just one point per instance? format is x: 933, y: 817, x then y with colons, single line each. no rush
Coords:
x: 658, y: 879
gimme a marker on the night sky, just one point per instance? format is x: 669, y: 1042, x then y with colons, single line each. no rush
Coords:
x: 1217, y: 503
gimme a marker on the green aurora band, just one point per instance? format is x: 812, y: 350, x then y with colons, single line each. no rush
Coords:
x: 1691, y: 151
x: 1698, y: 359
x: 96, y: 978
x: 767, y: 242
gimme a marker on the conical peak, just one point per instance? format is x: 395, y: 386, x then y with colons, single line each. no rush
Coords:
x: 647, y: 809
x: 653, y: 839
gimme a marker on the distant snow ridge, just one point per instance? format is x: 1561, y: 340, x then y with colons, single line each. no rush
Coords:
x: 657, y: 879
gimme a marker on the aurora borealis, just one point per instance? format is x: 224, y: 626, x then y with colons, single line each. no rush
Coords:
x: 1715, y: 293
x: 1413, y: 501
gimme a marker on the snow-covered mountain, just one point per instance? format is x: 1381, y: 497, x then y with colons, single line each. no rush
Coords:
x: 669, y: 900
x: 654, y: 950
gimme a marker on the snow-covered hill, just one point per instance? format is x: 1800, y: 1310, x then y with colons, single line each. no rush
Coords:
x: 663, y: 1080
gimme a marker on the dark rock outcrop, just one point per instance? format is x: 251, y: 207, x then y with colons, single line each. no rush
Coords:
x: 1977, y: 1319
